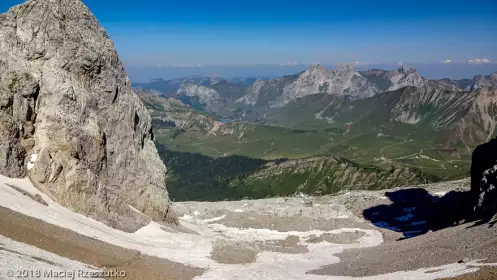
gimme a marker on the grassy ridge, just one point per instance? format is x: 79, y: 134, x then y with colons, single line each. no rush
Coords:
x: 192, y: 176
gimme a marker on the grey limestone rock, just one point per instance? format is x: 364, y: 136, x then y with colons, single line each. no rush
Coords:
x: 70, y: 120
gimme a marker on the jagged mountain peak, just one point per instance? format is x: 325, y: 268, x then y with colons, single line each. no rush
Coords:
x: 316, y: 66
x: 483, y: 81
x: 340, y: 68
x: 404, y: 69
x: 345, y: 67
x: 392, y: 80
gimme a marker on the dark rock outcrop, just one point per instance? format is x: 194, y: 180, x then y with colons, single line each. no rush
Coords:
x: 70, y: 121
x: 483, y: 193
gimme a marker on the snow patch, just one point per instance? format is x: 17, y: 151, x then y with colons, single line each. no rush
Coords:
x: 32, y: 161
x: 386, y: 225
x: 24, y: 257
x: 193, y: 249
x: 440, y: 193
x: 188, y: 218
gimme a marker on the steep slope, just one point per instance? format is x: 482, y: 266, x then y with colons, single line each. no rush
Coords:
x: 455, y: 115
x: 431, y: 128
x: 265, y: 92
x: 169, y: 88
x: 170, y: 114
x: 193, y: 176
x: 463, y: 84
x: 233, y: 89
x: 72, y: 122
x: 342, y: 80
x: 218, y: 98
x: 392, y: 80
x: 323, y: 175
x: 481, y: 81
x: 466, y: 116
x: 204, y: 97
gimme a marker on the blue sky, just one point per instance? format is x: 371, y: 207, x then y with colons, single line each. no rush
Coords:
x: 221, y: 32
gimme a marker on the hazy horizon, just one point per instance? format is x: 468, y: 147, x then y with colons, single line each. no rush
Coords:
x: 142, y: 74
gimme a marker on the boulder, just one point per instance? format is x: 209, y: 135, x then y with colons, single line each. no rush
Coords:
x: 483, y: 194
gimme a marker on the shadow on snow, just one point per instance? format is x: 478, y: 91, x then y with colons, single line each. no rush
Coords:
x: 414, y: 211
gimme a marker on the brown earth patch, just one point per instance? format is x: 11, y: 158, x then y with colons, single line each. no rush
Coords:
x: 239, y: 252
x: 32, y: 257
x: 339, y: 238
x: 233, y: 253
x: 485, y: 273
x: 433, y: 249
x: 69, y: 244
x: 287, y: 223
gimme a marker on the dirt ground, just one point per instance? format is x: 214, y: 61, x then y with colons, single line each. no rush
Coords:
x: 236, y: 252
x: 432, y: 249
x: 486, y: 273
x: 69, y: 244
x: 451, y: 245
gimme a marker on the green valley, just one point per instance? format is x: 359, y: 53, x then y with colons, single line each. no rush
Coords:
x: 319, y: 143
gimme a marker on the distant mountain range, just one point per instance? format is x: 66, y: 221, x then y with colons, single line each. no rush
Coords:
x: 434, y: 71
x: 169, y: 88
x: 247, y: 95
x: 387, y: 119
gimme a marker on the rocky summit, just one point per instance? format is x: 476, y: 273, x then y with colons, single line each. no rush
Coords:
x: 70, y: 120
x: 343, y: 80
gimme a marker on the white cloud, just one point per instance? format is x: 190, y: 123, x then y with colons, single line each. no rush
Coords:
x: 448, y: 61
x: 479, y: 61
x: 289, y: 64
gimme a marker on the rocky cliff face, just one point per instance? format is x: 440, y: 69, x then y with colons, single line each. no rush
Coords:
x: 483, y: 195
x: 267, y: 93
x: 206, y: 96
x: 392, y: 80
x: 469, y: 116
x: 342, y: 80
x: 252, y: 94
x: 170, y: 115
x: 279, y: 92
x: 482, y: 81
x: 70, y: 120
x: 405, y: 76
x: 446, y: 84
